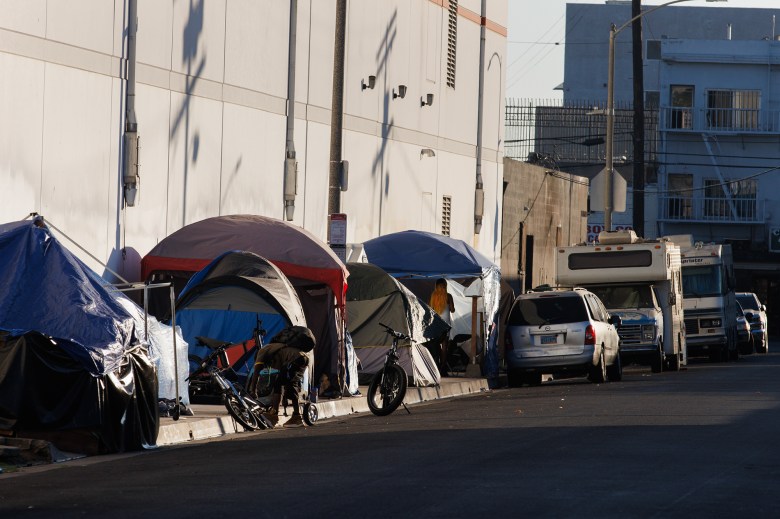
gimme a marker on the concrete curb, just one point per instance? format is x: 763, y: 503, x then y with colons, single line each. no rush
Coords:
x: 212, y: 421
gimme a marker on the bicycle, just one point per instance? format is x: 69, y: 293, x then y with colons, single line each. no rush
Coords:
x: 390, y: 382
x: 244, y: 409
x: 245, y: 405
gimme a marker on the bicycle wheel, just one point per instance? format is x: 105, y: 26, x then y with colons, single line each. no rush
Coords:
x: 387, y: 390
x: 310, y: 413
x: 240, y: 413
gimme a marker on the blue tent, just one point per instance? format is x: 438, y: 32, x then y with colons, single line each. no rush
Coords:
x: 417, y: 254
x: 230, y: 295
x: 410, y: 254
x: 425, y: 254
x: 71, y: 366
x: 46, y: 289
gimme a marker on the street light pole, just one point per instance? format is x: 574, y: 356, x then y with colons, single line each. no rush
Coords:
x: 608, y: 166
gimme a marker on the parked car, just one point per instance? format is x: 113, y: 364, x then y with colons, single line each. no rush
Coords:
x: 755, y: 312
x: 566, y: 333
x: 744, y: 337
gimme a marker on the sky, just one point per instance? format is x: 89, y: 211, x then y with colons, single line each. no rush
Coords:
x: 536, y: 41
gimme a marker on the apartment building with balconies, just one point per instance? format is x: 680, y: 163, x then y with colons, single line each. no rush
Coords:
x: 720, y: 141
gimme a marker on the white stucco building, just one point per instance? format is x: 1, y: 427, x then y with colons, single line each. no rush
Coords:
x: 211, y: 105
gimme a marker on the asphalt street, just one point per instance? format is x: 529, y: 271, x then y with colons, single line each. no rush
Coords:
x: 698, y: 443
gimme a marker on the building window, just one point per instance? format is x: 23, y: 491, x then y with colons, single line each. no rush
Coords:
x: 680, y: 196
x: 652, y: 99
x: 446, y: 214
x: 653, y: 49
x: 733, y: 109
x: 734, y: 199
x: 681, y: 97
x: 452, y: 43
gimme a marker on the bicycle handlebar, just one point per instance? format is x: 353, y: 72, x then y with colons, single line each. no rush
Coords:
x: 397, y: 335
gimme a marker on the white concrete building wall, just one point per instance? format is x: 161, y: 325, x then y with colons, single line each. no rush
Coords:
x: 211, y: 111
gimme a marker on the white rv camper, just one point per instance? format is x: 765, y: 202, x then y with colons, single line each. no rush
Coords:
x: 641, y: 281
x: 710, y: 302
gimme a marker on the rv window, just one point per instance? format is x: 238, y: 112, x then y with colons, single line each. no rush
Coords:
x: 700, y: 281
x: 625, y: 296
x: 612, y: 259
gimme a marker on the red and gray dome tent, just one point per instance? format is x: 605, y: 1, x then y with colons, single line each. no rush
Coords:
x: 319, y: 277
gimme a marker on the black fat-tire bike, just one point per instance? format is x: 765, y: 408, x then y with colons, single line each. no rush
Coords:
x: 388, y: 386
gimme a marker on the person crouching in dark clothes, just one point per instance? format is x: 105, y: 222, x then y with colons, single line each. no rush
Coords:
x: 288, y: 353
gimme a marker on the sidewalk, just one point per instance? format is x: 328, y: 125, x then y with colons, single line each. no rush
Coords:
x: 211, y: 421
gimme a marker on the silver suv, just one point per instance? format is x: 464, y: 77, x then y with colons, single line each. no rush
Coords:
x: 566, y: 333
x: 755, y: 313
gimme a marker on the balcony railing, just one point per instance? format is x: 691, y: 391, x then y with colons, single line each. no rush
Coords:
x: 720, y: 120
x: 711, y: 209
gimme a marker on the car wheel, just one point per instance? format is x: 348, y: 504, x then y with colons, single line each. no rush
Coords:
x: 734, y: 354
x: 513, y: 378
x: 534, y: 379
x: 598, y: 373
x: 723, y: 353
x: 657, y: 363
x: 747, y: 347
x: 615, y: 371
x: 674, y: 363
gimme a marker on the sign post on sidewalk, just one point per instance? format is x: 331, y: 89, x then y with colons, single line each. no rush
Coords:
x: 337, y: 235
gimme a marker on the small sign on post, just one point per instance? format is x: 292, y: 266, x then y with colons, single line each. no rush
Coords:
x: 337, y: 235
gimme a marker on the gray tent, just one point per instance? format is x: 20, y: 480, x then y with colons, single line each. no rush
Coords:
x: 374, y: 296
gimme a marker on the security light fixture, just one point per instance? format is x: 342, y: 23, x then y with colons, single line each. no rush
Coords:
x: 427, y: 100
x: 400, y: 93
x: 371, y: 83
x: 427, y: 152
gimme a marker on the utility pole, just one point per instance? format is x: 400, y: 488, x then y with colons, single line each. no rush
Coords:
x: 290, y: 163
x: 337, y: 109
x: 639, y: 119
x: 479, y: 193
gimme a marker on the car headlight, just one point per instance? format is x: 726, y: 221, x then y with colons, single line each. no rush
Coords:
x: 648, y: 332
x: 711, y: 323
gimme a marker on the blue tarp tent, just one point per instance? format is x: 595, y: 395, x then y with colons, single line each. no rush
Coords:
x: 410, y: 255
x: 45, y: 288
x: 70, y: 360
x: 426, y: 254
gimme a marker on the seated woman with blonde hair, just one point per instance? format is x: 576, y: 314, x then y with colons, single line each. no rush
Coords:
x: 442, y: 303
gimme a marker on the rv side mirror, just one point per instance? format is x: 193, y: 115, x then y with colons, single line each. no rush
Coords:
x: 615, y: 320
x: 763, y: 308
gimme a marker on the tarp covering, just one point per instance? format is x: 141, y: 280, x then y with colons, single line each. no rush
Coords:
x: 418, y: 254
x: 226, y: 299
x: 430, y: 255
x: 375, y: 297
x: 42, y: 388
x: 317, y: 274
x: 45, y: 288
x: 70, y: 357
